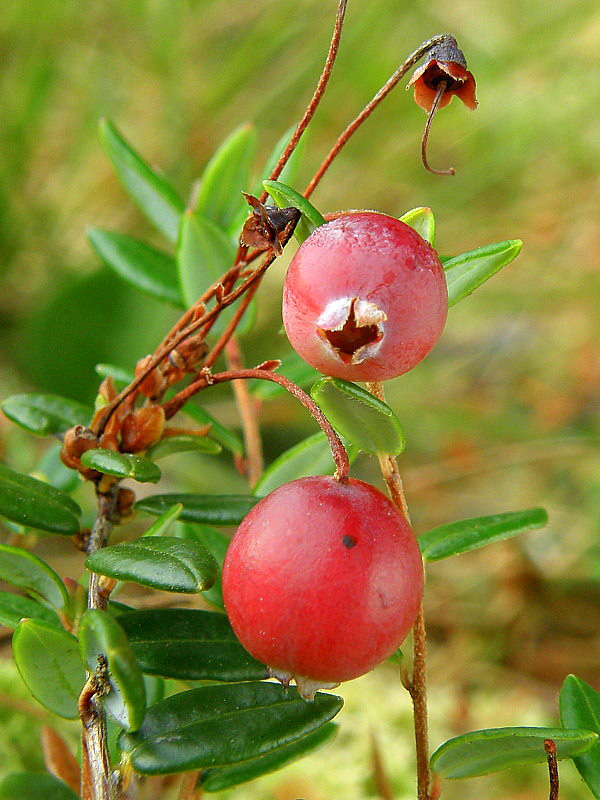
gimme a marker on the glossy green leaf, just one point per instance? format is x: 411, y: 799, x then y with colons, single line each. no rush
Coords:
x: 51, y: 469
x: 469, y: 534
x: 226, y: 176
x: 284, y: 196
x: 218, y: 432
x: 161, y: 562
x: 143, y: 267
x: 184, y: 443
x: 122, y: 377
x: 14, y: 608
x: 480, y: 752
x: 155, y: 689
x: 104, y: 644
x: 189, y: 644
x: 148, y: 188
x: 49, y: 663
x: 35, y: 504
x: 311, y: 456
x: 580, y: 708
x: 204, y: 253
x: 45, y: 414
x: 364, y: 420
x: 292, y: 367
x: 208, y: 509
x: 224, y: 724
x: 218, y: 778
x: 122, y: 465
x: 422, y: 221
x: 34, y: 786
x: 216, y: 543
x: 28, y: 572
x: 162, y: 525
x: 466, y: 272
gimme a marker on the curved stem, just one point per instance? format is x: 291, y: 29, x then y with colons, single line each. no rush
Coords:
x: 338, y: 451
x: 390, y: 84
x: 316, y: 98
x: 434, y: 107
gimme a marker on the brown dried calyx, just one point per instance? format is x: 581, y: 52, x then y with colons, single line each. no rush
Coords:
x: 353, y: 328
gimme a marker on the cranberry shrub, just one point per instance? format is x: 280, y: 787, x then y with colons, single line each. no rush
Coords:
x: 324, y: 577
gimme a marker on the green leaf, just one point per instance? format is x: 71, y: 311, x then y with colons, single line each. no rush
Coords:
x: 49, y: 663
x: 45, y: 414
x: 225, y: 724
x: 286, y: 197
x: 14, y: 608
x: 184, y: 443
x: 36, y: 504
x: 101, y: 636
x: 208, y: 509
x: 161, y: 526
x: 219, y: 432
x: 218, y: 778
x: 122, y: 465
x: 146, y: 269
x: 216, y: 543
x: 422, y: 220
x: 30, y: 573
x: 162, y: 562
x: 204, y: 253
x: 148, y: 188
x: 469, y: 534
x: 33, y: 786
x: 226, y: 176
x: 311, y: 456
x: 367, y: 422
x: 190, y: 645
x: 480, y: 752
x: 292, y: 367
x: 466, y: 272
x: 121, y: 377
x: 51, y: 469
x: 580, y: 708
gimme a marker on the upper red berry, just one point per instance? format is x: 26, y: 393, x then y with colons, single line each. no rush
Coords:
x: 365, y: 298
x: 322, y: 581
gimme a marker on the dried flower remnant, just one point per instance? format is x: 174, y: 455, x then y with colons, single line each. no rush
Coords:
x: 268, y: 226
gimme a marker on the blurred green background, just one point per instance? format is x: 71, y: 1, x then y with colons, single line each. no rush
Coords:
x: 504, y: 413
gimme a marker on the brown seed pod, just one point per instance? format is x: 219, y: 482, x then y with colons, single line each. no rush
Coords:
x: 142, y: 428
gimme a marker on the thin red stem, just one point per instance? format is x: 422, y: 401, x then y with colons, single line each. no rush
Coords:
x: 550, y: 749
x: 434, y: 107
x: 370, y: 107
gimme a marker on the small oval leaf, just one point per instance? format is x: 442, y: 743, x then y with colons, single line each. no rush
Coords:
x: 480, y: 752
x: 292, y: 367
x: 122, y: 465
x: 102, y: 639
x: 149, y: 189
x: 14, y: 608
x: 225, y: 724
x: 364, y: 420
x: 580, y: 708
x: 286, y: 197
x: 150, y: 271
x: 33, y: 786
x: 45, y: 414
x: 226, y: 176
x: 161, y: 562
x: 311, y: 456
x: 422, y: 221
x: 208, y: 509
x: 49, y: 663
x: 28, y: 572
x: 216, y: 543
x: 469, y: 534
x: 466, y: 272
x: 184, y: 444
x: 51, y: 469
x: 218, y: 778
x: 190, y: 645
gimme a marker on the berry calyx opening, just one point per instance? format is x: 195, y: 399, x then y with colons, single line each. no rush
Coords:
x: 353, y: 328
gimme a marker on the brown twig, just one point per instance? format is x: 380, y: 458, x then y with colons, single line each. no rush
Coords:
x: 59, y: 759
x: 550, y: 749
x: 205, y: 379
x: 189, y: 789
x: 434, y: 107
x: 370, y: 107
x: 316, y: 98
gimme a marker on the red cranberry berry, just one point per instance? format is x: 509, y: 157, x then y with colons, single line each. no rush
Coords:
x: 322, y: 581
x: 365, y: 298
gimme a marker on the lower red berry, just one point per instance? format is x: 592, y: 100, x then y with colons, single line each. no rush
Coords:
x: 322, y: 581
